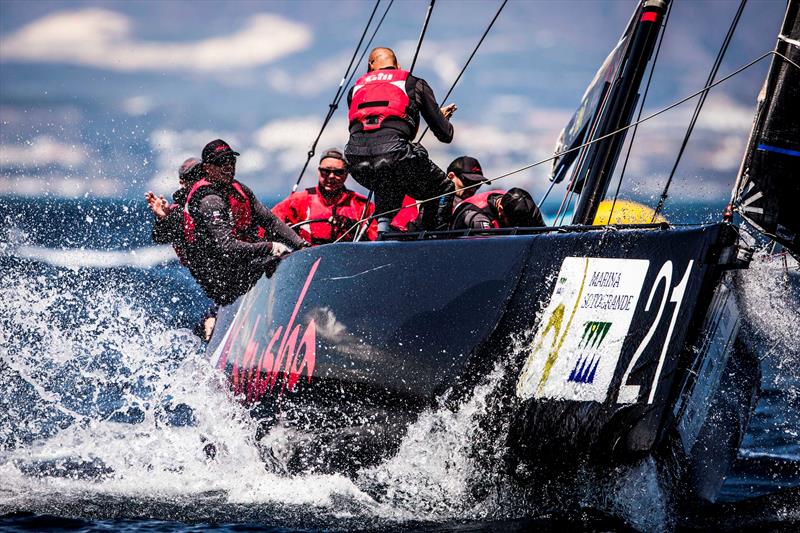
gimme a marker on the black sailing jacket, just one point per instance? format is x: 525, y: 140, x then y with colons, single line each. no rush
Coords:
x: 224, y: 266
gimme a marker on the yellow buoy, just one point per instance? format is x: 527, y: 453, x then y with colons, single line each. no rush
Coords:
x: 625, y: 212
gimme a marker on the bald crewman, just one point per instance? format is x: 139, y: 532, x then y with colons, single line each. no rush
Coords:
x: 385, y: 107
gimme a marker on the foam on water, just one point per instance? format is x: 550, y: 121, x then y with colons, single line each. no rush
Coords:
x: 770, y: 291
x: 146, y: 257
x: 433, y: 473
x: 105, y: 401
x: 103, y: 398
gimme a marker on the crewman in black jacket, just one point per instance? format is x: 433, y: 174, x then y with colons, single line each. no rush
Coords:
x: 229, y: 239
x: 168, y: 226
x: 385, y: 106
x: 498, y: 209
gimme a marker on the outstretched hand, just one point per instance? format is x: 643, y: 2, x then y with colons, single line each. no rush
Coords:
x: 448, y: 110
x: 158, y: 205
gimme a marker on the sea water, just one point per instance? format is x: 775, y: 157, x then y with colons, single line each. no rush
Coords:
x: 108, y: 408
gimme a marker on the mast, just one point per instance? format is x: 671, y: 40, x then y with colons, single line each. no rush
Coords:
x: 767, y: 189
x: 594, y: 174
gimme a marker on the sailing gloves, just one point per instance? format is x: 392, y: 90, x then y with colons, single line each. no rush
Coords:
x: 343, y: 223
x: 278, y: 249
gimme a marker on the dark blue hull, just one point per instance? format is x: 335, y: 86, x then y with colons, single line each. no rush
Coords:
x: 614, y: 345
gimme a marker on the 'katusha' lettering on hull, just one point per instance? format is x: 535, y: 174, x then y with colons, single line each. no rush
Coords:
x: 257, y: 366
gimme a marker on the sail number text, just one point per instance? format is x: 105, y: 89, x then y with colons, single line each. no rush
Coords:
x: 630, y: 393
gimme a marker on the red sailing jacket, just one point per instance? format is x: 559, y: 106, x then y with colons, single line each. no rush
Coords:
x: 377, y: 95
x: 481, y: 201
x: 311, y: 205
x: 241, y: 212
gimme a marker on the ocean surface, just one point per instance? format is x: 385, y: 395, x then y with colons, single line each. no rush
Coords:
x: 107, y: 402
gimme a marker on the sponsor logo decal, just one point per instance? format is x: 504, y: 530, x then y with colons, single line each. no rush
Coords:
x: 290, y: 352
x: 598, y: 297
x: 381, y: 76
x: 586, y: 365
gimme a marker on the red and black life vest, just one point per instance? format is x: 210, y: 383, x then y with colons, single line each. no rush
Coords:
x: 241, y: 213
x: 481, y: 201
x: 377, y: 95
x: 311, y: 205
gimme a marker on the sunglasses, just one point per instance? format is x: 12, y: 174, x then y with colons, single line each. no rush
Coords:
x: 338, y: 172
x: 224, y: 161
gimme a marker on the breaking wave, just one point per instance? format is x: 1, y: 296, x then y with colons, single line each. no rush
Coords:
x: 770, y: 292
x: 100, y: 400
x: 146, y: 257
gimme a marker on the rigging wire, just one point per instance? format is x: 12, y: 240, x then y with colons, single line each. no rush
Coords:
x: 566, y: 210
x: 422, y: 35
x: 701, y: 101
x: 453, y: 86
x: 546, y: 194
x: 641, y: 109
x: 337, y: 97
x: 363, y: 228
x: 364, y: 51
x: 610, y: 134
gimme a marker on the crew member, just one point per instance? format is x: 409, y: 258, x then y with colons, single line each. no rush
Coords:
x: 333, y: 211
x: 498, y: 209
x: 168, y: 226
x: 467, y: 176
x: 385, y: 106
x: 230, y: 238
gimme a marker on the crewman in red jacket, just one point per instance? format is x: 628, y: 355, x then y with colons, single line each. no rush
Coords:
x: 168, y: 225
x: 330, y: 210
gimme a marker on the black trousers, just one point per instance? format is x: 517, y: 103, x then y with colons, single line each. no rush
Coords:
x: 393, y: 168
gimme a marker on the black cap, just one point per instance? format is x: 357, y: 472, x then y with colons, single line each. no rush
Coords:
x: 520, y: 209
x: 332, y: 153
x: 468, y: 170
x: 216, y: 149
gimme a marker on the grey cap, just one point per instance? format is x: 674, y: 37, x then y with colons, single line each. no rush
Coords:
x: 332, y: 153
x: 188, y: 168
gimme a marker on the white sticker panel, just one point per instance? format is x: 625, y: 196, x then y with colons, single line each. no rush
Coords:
x: 579, y: 338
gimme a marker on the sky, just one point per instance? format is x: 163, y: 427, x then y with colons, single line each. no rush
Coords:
x: 106, y: 98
